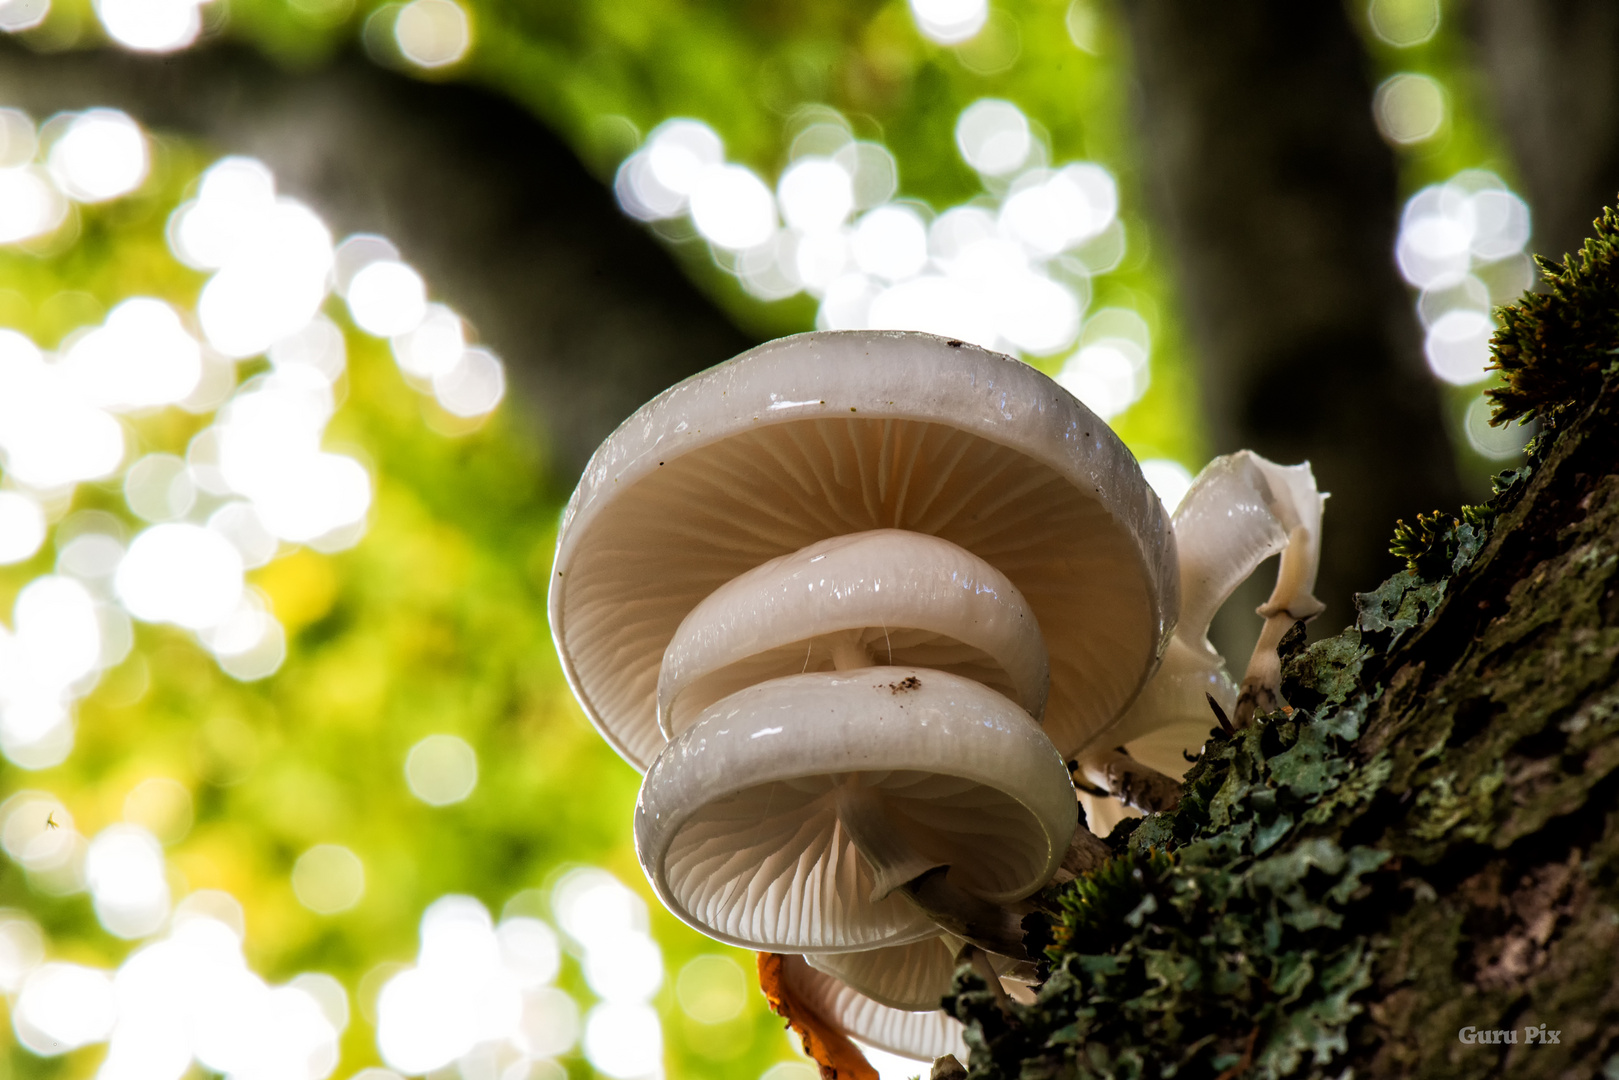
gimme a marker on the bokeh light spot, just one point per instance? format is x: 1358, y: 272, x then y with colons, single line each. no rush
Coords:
x: 435, y: 345
x: 387, y: 298
x: 100, y: 156
x: 625, y: 968
x: 272, y: 281
x: 22, y: 527
x: 22, y: 949
x: 433, y: 33
x: 529, y: 949
x: 712, y: 989
x: 441, y: 769
x: 1403, y: 23
x: 30, y: 205
x: 182, y: 574
x: 891, y: 242
x: 474, y: 386
x: 19, y: 15
x: 1496, y: 443
x: 124, y: 871
x: 993, y: 136
x: 57, y: 629
x: 141, y: 357
x: 1409, y: 108
x: 158, y: 487
x: 151, y: 25
x: 30, y: 842
x: 624, y: 1040
x: 63, y: 1007
x: 328, y: 879
x: 732, y: 208
x: 816, y: 194
x: 1458, y: 346
x: 949, y: 22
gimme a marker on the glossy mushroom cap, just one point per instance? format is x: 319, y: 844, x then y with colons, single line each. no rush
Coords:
x: 827, y: 434
x: 786, y: 818
x: 1240, y: 510
x: 886, y: 596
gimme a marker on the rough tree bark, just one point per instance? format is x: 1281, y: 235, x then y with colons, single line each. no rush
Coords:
x: 590, y: 312
x: 1426, y: 846
x: 1278, y: 200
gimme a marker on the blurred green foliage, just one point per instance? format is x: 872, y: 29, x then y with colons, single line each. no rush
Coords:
x: 434, y: 623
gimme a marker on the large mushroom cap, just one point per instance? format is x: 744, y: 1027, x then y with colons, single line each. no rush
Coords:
x: 826, y: 434
x: 783, y: 819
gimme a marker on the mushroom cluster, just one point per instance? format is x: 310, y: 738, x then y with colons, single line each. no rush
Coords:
x: 865, y: 607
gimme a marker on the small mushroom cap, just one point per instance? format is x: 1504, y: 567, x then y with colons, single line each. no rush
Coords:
x: 909, y: 977
x: 840, y: 432
x: 1241, y: 510
x: 911, y: 598
x: 919, y: 1034
x: 738, y: 826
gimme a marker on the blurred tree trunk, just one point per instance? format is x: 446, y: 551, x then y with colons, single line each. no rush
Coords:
x: 1278, y: 200
x: 1552, y: 71
x: 591, y: 313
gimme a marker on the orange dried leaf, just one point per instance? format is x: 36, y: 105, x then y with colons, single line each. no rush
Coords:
x: 838, y: 1058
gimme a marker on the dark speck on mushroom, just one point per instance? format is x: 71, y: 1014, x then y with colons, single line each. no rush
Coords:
x: 953, y: 343
x: 910, y: 682
x: 853, y: 409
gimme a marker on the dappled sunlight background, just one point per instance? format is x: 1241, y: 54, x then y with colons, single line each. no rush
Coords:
x: 296, y: 782
x: 294, y: 787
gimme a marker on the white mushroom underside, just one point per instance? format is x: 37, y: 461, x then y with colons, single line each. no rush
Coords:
x: 921, y: 1035
x: 887, y: 596
x: 716, y: 512
x: 738, y: 827
x: 910, y: 977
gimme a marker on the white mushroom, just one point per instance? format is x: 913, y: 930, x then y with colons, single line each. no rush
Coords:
x: 888, y: 596
x: 840, y: 811
x: 923, y: 1034
x: 844, y: 598
x: 828, y: 434
x: 1240, y: 510
x: 912, y: 977
x: 916, y: 976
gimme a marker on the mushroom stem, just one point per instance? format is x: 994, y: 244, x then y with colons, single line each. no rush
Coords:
x: 989, y: 926
x: 892, y: 859
x: 1262, y: 683
x: 979, y: 959
x: 1290, y: 602
x: 898, y: 865
x: 848, y: 654
x: 1131, y: 782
